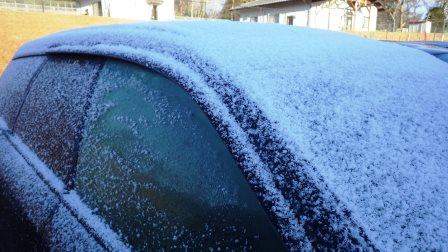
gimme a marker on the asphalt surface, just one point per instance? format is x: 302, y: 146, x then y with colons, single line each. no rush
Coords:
x: 16, y: 233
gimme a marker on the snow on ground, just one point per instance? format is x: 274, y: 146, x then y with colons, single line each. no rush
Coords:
x: 369, y: 116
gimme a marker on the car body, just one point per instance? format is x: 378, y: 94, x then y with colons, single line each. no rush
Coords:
x: 221, y: 135
x: 438, y: 49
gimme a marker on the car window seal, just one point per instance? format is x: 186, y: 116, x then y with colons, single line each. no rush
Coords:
x: 27, y: 91
x: 72, y: 173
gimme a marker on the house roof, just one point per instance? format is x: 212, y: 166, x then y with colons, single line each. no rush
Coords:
x: 416, y: 21
x: 348, y: 139
x: 257, y: 3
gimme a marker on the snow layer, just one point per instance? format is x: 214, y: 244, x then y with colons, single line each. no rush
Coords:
x: 13, y: 84
x: 59, y: 214
x: 366, y: 120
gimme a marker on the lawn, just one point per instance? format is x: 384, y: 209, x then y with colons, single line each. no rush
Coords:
x: 17, y: 28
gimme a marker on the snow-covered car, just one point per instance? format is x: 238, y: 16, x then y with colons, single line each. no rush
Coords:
x: 437, y: 49
x: 226, y: 136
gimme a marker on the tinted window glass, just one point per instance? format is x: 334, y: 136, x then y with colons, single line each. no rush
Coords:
x: 52, y: 115
x: 13, y: 85
x: 154, y: 167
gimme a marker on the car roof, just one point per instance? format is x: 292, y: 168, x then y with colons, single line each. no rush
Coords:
x: 433, y: 48
x: 353, y: 128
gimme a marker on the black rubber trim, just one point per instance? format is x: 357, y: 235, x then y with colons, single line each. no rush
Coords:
x: 27, y: 91
x: 72, y: 173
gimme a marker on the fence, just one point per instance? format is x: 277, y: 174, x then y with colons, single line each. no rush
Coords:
x: 66, y: 7
x: 403, y: 36
x: 420, y: 31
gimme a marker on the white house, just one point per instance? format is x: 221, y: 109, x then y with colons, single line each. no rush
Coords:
x: 423, y: 26
x: 129, y: 9
x: 332, y: 15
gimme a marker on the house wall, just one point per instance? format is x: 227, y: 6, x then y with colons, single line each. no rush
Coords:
x: 130, y: 9
x: 366, y: 19
x: 86, y: 7
x: 321, y: 15
x: 420, y: 27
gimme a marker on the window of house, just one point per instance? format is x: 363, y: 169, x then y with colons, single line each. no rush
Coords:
x: 273, y: 18
x: 276, y: 18
x: 365, y: 23
x: 290, y: 20
x: 348, y: 17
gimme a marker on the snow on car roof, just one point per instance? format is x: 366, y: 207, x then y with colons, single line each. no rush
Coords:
x: 366, y: 121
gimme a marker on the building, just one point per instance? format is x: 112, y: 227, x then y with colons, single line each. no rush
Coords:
x: 422, y: 26
x: 129, y: 9
x: 126, y: 9
x: 54, y: 6
x: 332, y: 15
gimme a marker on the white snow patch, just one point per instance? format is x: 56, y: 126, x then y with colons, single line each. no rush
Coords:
x: 3, y: 125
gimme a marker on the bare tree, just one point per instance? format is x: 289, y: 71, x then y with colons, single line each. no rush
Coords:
x: 227, y: 11
x: 355, y: 6
x: 181, y: 7
x: 438, y: 14
x: 411, y: 8
x: 395, y: 9
x: 445, y: 11
x: 308, y: 2
x: 442, y: 4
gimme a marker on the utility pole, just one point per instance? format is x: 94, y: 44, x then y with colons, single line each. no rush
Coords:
x: 154, y: 4
x: 444, y: 28
x: 232, y: 11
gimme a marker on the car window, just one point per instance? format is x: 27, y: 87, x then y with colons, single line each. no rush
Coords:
x: 14, y: 83
x: 51, y: 118
x: 152, y: 165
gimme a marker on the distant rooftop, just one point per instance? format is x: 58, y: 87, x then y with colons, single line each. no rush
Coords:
x: 259, y: 3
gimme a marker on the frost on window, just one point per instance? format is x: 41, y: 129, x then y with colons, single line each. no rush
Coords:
x: 52, y: 115
x: 153, y: 166
x: 13, y: 85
